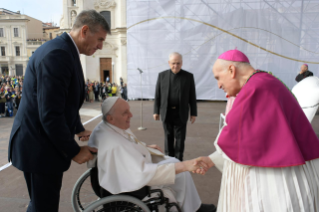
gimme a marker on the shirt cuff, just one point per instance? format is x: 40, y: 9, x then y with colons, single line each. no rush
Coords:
x: 218, y: 160
x: 164, y: 175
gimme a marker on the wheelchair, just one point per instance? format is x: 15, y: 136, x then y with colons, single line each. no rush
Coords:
x: 88, y: 196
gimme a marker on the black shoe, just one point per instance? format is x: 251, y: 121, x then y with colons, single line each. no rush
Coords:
x: 207, y: 208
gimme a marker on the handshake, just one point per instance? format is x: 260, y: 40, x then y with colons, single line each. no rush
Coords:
x: 198, y: 165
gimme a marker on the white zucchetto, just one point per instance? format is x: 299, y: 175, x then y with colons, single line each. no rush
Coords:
x: 108, y: 104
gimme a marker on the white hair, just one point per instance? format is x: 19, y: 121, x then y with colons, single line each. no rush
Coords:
x: 175, y: 54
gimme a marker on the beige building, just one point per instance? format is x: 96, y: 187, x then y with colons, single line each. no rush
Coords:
x: 50, y: 32
x: 111, y: 60
x: 20, y: 36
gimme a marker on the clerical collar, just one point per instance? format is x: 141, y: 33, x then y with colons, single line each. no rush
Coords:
x: 77, y: 49
x: 174, y: 73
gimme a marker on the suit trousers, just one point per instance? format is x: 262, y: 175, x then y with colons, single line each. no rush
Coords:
x: 44, y: 191
x: 174, y: 128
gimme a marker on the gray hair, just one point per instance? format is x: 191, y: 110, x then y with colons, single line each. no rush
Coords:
x: 108, y: 113
x: 175, y: 54
x: 94, y: 20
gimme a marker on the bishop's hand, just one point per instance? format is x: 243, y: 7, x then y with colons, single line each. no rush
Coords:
x: 204, y: 163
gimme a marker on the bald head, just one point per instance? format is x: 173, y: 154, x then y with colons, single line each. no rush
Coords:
x: 231, y: 76
x: 119, y: 114
x: 175, y: 62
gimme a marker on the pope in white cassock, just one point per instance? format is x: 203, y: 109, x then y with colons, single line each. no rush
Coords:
x: 267, y: 150
x: 125, y: 163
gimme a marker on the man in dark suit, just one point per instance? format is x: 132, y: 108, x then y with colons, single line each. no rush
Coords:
x: 175, y: 94
x: 42, y: 141
x: 304, y: 72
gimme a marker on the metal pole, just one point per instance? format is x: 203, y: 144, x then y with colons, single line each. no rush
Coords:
x: 141, y: 127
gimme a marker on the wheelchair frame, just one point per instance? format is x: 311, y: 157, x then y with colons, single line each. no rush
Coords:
x: 148, y: 205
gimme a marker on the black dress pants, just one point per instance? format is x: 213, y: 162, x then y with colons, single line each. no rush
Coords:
x: 174, y: 128
x: 96, y: 96
x: 44, y: 191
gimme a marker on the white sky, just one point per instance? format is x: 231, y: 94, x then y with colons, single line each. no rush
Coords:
x: 43, y: 10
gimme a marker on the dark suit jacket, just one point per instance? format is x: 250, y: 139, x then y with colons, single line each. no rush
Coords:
x: 187, y: 98
x: 42, y: 136
x: 300, y: 77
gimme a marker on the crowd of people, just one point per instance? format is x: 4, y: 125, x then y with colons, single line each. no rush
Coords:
x: 10, y: 94
x: 98, y: 91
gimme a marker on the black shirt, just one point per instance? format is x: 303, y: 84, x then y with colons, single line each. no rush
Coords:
x: 300, y: 77
x: 174, y: 89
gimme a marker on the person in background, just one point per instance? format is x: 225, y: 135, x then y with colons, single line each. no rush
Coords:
x: 175, y: 100
x: 17, y: 97
x: 109, y: 89
x: 104, y: 92
x: 114, y: 89
x: 96, y: 91
x: 304, y: 72
x: 9, y: 97
x: 125, y: 91
x: 91, y: 93
x: 121, y: 81
x: 2, y: 104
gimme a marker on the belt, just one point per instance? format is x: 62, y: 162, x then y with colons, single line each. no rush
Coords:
x: 173, y: 107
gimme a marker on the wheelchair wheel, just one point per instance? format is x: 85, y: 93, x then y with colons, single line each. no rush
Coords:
x: 83, y: 194
x: 118, y: 203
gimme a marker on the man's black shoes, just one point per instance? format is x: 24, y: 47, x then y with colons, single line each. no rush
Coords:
x: 207, y: 208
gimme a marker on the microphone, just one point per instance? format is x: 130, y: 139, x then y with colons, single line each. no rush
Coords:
x: 140, y: 70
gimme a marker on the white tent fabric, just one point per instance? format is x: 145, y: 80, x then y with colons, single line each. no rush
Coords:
x: 277, y: 36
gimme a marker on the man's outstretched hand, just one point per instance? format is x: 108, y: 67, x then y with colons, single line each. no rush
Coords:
x: 198, y: 165
x: 84, y: 155
x: 203, y: 163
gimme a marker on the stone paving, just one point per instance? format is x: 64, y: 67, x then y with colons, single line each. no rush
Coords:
x: 200, y: 137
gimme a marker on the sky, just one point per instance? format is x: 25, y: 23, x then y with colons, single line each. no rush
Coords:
x: 43, y: 10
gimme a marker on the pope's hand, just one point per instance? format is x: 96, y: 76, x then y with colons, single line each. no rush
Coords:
x: 84, y: 135
x: 154, y: 146
x: 84, y: 155
x: 204, y: 163
x: 156, y: 117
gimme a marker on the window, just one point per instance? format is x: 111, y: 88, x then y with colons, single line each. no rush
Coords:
x: 3, y: 51
x: 19, y: 70
x: 1, y: 32
x: 16, y: 32
x: 17, y: 50
x: 107, y: 16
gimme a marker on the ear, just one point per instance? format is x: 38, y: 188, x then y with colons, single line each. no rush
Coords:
x: 232, y: 70
x: 109, y: 118
x: 84, y: 31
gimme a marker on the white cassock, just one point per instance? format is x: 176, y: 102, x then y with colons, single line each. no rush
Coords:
x: 126, y: 165
x: 257, y: 189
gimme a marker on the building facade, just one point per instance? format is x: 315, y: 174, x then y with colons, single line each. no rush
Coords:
x: 18, y: 34
x: 111, y: 60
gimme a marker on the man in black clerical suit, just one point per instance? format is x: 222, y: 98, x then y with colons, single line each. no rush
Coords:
x: 175, y: 94
x: 304, y: 72
x: 42, y: 141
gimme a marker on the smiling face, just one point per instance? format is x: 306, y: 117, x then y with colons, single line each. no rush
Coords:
x: 225, y: 74
x: 175, y: 63
x: 91, y: 41
x: 121, y: 115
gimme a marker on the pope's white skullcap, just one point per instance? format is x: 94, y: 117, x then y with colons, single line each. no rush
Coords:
x: 108, y: 104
